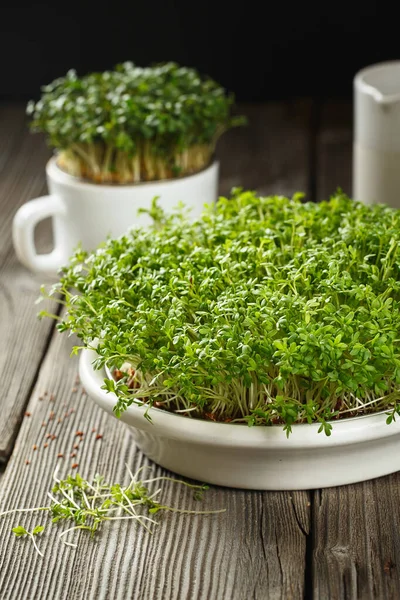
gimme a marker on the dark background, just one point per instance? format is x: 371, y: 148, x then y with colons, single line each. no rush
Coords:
x: 261, y: 51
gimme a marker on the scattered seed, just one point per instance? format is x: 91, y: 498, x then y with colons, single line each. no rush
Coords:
x: 210, y: 416
x: 66, y: 414
x: 75, y: 465
x: 73, y: 454
x: 27, y: 462
x: 45, y: 445
x: 28, y: 414
x: 74, y: 390
x: 45, y: 393
x: 76, y: 446
x: 53, y: 437
x: 51, y: 416
x: 44, y: 424
x: 52, y: 398
x: 59, y: 420
x: 34, y: 447
x: 79, y: 434
x: 40, y: 397
x: 48, y: 436
x: 118, y: 374
x: 59, y: 455
x: 94, y: 429
x: 98, y: 436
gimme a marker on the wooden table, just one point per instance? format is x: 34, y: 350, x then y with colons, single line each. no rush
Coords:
x: 333, y: 543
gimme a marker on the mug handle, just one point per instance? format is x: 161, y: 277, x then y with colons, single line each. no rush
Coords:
x: 24, y: 223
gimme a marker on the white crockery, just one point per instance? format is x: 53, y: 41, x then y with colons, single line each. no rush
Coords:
x: 261, y: 458
x: 376, y: 150
x: 87, y: 213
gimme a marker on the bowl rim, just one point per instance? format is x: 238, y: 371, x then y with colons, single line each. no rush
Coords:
x: 364, y: 428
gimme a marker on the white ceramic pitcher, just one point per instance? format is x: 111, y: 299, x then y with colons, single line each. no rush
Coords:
x: 376, y: 151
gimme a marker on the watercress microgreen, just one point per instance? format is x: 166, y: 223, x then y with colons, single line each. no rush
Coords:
x: 267, y: 310
x: 20, y: 531
x: 133, y: 124
x: 87, y: 504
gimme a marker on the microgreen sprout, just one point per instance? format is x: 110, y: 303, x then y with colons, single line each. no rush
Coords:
x: 267, y: 310
x: 85, y: 505
x: 20, y: 531
x: 133, y: 124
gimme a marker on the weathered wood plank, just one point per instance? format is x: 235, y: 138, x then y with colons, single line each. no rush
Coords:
x: 22, y: 174
x: 23, y: 343
x: 334, y: 149
x: 357, y: 542
x: 271, y: 154
x: 355, y: 528
x: 254, y: 550
x: 22, y: 161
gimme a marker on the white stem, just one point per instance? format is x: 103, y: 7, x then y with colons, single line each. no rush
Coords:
x: 134, y: 477
x: 70, y: 499
x: 130, y: 503
x: 34, y: 543
x: 86, y: 500
x: 136, y: 517
x: 67, y: 531
x: 361, y: 405
x: 52, y: 498
x: 55, y: 473
x: 23, y: 510
x: 194, y: 512
x: 155, y: 494
x: 164, y: 478
x: 70, y: 544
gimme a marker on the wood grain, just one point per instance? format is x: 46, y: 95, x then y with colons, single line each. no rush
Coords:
x: 334, y: 149
x: 271, y: 154
x: 356, y: 528
x: 257, y: 549
x: 254, y: 550
x: 23, y: 342
x: 357, y: 541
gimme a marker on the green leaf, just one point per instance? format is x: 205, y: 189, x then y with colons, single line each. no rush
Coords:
x: 19, y: 531
x: 133, y: 124
x: 38, y: 529
x: 266, y: 310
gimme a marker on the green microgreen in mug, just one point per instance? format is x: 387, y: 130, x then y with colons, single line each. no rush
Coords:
x: 133, y: 124
x: 266, y: 310
x: 20, y: 531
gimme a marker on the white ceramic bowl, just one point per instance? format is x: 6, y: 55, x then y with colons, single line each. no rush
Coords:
x: 261, y: 458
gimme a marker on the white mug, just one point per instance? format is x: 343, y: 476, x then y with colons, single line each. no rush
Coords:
x: 376, y: 149
x: 87, y: 213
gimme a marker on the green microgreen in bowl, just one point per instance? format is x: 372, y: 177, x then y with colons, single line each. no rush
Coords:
x: 133, y: 124
x: 267, y: 310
